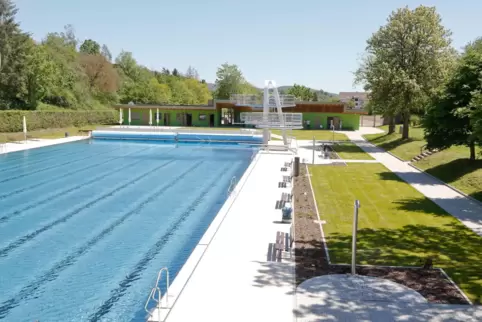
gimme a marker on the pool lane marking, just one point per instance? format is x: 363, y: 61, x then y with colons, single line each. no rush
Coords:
x: 68, y: 174
x: 8, y: 159
x: 28, y: 162
x: 141, y: 265
x: 54, y: 166
x: 37, y: 203
x: 28, y: 291
x: 28, y: 237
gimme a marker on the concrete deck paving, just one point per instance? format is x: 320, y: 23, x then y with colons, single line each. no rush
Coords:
x: 233, y: 279
x: 37, y: 143
x: 466, y: 210
x: 361, y: 298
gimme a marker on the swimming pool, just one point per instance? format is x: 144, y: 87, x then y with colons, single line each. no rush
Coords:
x: 86, y: 226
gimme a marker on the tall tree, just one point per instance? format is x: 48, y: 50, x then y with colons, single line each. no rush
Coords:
x: 192, y: 73
x: 90, y: 47
x: 230, y: 80
x: 411, y: 54
x: 106, y: 53
x: 13, y: 55
x: 301, y: 92
x: 175, y: 73
x: 102, y: 76
x: 454, y: 116
x: 128, y: 65
x: 40, y: 74
x: 315, y: 97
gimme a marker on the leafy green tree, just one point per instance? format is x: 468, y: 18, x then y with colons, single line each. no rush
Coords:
x: 200, y: 91
x: 13, y: 56
x: 127, y: 65
x: 301, y: 92
x: 476, y: 115
x: 230, y: 80
x: 40, y: 73
x: 408, y: 60
x: 90, y: 47
x: 69, y: 87
x: 453, y: 118
x: 175, y: 72
x: 315, y: 97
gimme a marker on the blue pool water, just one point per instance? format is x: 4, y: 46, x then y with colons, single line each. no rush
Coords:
x: 86, y: 226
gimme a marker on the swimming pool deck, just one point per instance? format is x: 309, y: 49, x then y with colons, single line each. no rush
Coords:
x: 37, y: 143
x: 230, y: 277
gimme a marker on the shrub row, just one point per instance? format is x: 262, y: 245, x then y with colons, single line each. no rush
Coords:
x: 12, y: 121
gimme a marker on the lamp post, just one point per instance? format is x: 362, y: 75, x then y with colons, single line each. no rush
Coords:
x: 353, y: 244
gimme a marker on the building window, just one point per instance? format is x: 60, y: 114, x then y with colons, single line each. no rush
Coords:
x: 135, y: 116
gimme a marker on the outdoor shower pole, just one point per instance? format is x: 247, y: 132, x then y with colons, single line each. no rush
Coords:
x: 353, y: 246
x: 314, y: 146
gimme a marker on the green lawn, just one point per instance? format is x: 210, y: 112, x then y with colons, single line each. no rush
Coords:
x: 450, y: 165
x: 453, y: 166
x: 404, y: 149
x: 397, y: 224
x: 324, y: 135
x: 45, y: 133
x: 350, y: 151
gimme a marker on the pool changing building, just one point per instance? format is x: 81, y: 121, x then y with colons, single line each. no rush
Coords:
x: 227, y: 113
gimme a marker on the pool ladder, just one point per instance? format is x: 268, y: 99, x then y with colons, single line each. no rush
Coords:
x: 232, y: 185
x: 156, y: 295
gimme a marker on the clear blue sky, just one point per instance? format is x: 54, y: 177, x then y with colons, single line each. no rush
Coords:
x: 311, y: 42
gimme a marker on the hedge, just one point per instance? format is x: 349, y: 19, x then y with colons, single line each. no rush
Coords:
x: 12, y: 121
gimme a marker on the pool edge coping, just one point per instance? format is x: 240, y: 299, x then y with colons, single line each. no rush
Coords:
x: 49, y: 142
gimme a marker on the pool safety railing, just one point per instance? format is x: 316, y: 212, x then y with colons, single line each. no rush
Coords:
x: 232, y: 186
x: 156, y: 294
x: 177, y: 130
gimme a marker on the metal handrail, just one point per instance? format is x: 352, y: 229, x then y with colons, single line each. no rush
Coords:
x: 180, y: 130
x: 156, y: 289
x: 232, y: 185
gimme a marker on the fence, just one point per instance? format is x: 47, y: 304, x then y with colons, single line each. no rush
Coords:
x: 371, y: 120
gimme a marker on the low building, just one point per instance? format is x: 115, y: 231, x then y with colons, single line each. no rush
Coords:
x: 358, y: 99
x: 225, y: 113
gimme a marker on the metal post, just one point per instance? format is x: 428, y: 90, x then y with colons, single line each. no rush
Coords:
x: 314, y: 146
x: 296, y: 167
x: 25, y: 129
x: 353, y: 246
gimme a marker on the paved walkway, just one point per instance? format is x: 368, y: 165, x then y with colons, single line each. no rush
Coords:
x: 233, y: 279
x: 362, y: 298
x: 37, y: 143
x: 466, y: 210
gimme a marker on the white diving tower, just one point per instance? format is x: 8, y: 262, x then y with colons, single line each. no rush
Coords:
x: 272, y: 116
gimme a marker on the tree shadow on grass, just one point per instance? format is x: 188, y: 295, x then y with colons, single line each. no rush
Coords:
x: 421, y: 205
x: 454, y: 170
x: 452, y: 247
x: 409, y: 177
x: 347, y: 148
